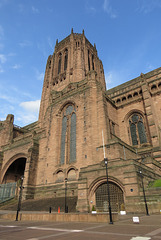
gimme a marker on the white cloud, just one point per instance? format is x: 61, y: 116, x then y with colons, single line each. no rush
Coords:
x: 25, y: 119
x: 108, y: 9
x: 149, y: 67
x: 35, y: 10
x: 16, y: 66
x: 115, y: 76
x: 6, y: 97
x: 25, y: 43
x: 147, y: 6
x: 109, y: 78
x: 90, y: 8
x: 29, y: 112
x: 39, y: 75
x: 31, y: 106
x: 3, y: 58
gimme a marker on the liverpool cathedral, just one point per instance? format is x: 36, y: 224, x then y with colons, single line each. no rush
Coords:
x: 80, y: 125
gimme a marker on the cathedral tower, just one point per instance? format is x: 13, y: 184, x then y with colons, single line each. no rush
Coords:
x: 73, y: 58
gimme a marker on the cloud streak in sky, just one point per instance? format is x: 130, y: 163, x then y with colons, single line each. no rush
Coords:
x: 16, y: 66
x: 3, y: 58
x: 34, y: 9
x: 31, y: 106
x: 108, y: 9
x: 25, y: 43
x: 147, y: 6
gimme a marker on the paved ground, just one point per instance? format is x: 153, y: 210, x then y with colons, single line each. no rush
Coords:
x: 148, y: 228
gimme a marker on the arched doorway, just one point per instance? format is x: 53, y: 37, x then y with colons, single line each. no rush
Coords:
x: 116, y: 197
x: 15, y: 171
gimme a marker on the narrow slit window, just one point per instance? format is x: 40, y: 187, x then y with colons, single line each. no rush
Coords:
x: 66, y: 60
x: 89, y: 67
x: 59, y: 63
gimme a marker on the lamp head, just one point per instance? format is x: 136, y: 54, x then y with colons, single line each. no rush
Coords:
x: 105, y: 160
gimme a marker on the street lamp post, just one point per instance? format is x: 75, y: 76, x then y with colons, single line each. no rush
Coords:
x: 66, y: 207
x: 108, y: 192
x: 20, y: 197
x: 146, y: 206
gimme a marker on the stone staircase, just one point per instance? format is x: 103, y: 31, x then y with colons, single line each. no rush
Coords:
x: 43, y: 205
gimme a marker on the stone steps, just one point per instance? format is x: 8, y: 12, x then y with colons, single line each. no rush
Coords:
x: 44, y: 205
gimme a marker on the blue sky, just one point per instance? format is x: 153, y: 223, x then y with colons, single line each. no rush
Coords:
x: 126, y: 32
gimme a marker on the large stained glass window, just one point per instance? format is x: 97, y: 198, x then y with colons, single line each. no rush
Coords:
x: 68, y: 135
x: 63, y: 138
x: 137, y: 129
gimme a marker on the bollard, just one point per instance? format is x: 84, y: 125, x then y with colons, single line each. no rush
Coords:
x: 58, y: 209
x: 49, y: 209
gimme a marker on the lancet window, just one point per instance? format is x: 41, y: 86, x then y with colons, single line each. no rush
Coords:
x: 59, y: 63
x: 89, y: 66
x: 68, y: 135
x: 137, y: 129
x: 66, y: 60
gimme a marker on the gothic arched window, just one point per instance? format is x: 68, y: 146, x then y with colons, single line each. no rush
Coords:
x: 137, y: 129
x: 68, y: 135
x: 59, y: 63
x: 66, y: 59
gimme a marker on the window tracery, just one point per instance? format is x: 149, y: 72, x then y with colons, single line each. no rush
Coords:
x: 137, y: 129
x: 68, y: 135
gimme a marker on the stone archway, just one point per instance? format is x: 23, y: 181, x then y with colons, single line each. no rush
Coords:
x: 116, y: 197
x: 14, y: 171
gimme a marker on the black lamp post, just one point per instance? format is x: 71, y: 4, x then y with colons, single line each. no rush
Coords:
x: 66, y: 207
x: 20, y: 197
x: 146, y: 206
x: 108, y: 191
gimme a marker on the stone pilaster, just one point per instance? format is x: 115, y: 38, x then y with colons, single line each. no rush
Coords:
x: 150, y: 113
x: 31, y: 171
x: 82, y: 203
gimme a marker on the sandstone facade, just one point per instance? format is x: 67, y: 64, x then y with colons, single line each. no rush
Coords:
x: 76, y: 114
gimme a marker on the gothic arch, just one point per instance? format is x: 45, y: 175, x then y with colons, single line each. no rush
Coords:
x: 71, y: 167
x: 98, y: 194
x: 137, y: 128
x: 65, y: 104
x: 131, y: 112
x: 9, y: 163
x: 68, y: 133
x: 72, y: 173
x: 58, y: 170
x: 98, y: 181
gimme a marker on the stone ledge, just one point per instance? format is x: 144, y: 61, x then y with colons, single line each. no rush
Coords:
x: 60, y: 217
